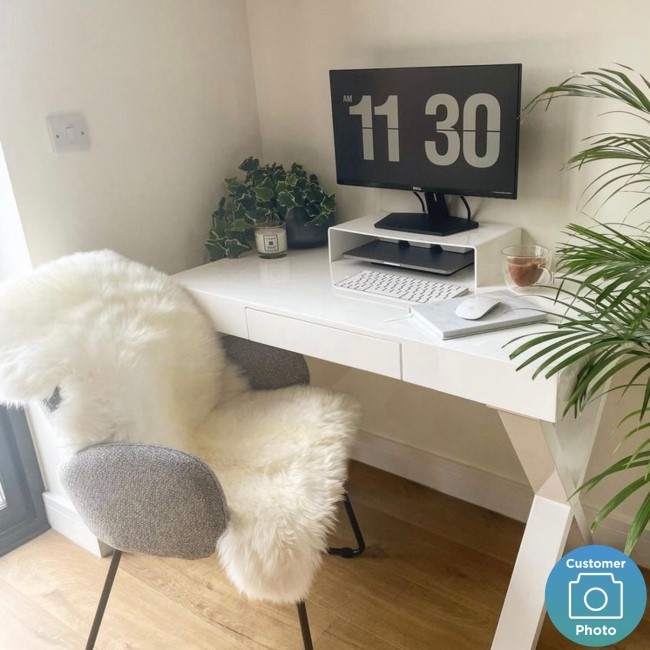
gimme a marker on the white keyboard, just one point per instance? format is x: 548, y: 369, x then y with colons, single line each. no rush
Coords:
x: 401, y: 287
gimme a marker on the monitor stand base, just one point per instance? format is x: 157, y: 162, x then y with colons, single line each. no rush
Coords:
x: 421, y: 222
x: 435, y: 221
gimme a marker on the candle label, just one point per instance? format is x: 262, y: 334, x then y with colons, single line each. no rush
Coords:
x: 271, y: 244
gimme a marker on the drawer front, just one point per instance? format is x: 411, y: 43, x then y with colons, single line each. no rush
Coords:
x: 328, y: 343
x: 227, y: 316
x: 497, y: 385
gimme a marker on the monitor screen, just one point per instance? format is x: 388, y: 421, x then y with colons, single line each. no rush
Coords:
x: 450, y: 130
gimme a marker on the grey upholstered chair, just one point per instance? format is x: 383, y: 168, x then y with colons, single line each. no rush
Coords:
x: 159, y: 501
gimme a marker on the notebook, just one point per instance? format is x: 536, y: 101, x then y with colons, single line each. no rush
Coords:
x: 513, y: 311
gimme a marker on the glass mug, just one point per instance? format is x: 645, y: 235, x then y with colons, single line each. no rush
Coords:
x: 526, y: 267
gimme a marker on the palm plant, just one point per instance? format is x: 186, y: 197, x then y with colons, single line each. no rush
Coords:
x: 604, y: 281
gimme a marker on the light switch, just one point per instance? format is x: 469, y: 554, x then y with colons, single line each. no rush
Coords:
x: 68, y: 132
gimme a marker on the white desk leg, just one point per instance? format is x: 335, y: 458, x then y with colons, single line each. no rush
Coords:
x: 541, y: 547
x: 554, y: 458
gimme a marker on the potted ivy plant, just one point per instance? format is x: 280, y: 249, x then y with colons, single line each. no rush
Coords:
x: 604, y: 274
x: 269, y: 193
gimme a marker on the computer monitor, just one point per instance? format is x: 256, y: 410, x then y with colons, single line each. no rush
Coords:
x: 439, y: 130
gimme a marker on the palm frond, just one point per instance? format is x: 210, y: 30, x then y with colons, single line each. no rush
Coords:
x: 629, y: 151
x: 601, y: 84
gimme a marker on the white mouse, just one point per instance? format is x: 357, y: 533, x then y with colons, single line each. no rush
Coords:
x: 476, y: 307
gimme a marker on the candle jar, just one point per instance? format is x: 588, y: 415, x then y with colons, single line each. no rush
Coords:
x: 271, y: 240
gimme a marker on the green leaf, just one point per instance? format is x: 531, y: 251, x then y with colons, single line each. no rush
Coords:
x: 639, y: 524
x: 235, y: 247
x: 240, y: 225
x: 263, y: 193
x: 250, y: 164
x: 329, y: 203
x: 619, y: 466
x: 617, y: 500
x: 285, y: 199
x: 215, y: 250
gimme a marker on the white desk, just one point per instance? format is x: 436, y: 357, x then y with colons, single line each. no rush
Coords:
x: 289, y: 303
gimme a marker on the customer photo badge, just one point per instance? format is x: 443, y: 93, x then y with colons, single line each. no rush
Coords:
x: 595, y: 596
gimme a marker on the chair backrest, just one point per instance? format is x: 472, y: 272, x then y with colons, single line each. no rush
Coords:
x: 147, y: 499
x: 266, y: 367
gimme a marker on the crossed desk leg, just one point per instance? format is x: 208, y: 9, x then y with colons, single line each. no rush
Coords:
x: 554, y: 457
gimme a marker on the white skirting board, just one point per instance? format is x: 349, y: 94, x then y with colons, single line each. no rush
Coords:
x: 63, y: 518
x: 496, y: 493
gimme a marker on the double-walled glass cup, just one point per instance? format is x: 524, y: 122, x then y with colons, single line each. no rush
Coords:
x: 526, y: 267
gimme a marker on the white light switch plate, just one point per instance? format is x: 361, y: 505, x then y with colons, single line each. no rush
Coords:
x: 68, y: 132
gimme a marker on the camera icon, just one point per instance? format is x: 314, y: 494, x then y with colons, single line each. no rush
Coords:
x: 595, y: 596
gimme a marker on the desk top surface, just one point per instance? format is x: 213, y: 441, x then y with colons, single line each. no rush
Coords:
x: 299, y: 286
x: 290, y: 303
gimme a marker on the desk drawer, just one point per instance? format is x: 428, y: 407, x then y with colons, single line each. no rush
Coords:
x: 328, y: 343
x: 495, y: 383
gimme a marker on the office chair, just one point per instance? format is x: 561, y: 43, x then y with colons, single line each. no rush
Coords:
x: 166, y: 502
x: 129, y: 357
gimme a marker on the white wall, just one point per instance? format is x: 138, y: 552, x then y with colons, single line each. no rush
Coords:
x: 167, y: 89
x: 14, y: 256
x: 296, y: 42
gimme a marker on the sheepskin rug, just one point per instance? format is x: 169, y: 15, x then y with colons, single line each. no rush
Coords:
x: 281, y: 457
x: 136, y: 360
x: 131, y: 353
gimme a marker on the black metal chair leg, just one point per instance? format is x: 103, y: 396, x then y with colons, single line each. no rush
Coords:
x: 347, y: 552
x: 103, y: 599
x: 304, y: 626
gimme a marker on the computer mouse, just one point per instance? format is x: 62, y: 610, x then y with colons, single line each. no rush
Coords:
x: 476, y: 307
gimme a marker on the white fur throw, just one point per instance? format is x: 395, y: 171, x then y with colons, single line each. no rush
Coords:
x: 281, y: 457
x: 133, y: 356
x: 136, y: 360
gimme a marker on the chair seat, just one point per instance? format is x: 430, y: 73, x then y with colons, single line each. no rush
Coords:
x: 281, y: 457
x: 147, y: 499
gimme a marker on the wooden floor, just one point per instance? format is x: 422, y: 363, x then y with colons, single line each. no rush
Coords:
x: 434, y: 577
